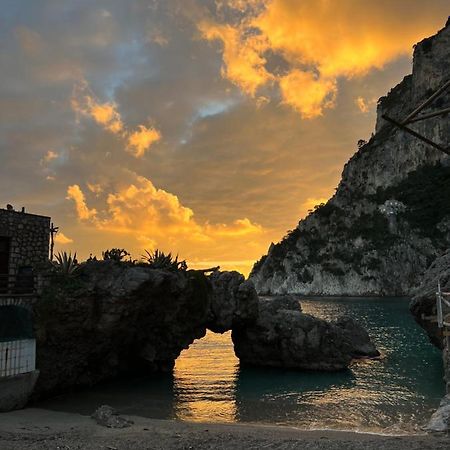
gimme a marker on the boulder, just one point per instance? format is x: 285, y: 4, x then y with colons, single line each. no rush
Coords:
x: 357, y: 338
x: 283, y: 336
x: 234, y: 301
x: 440, y: 420
x: 106, y: 416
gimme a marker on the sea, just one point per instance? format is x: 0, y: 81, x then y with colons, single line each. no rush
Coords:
x: 395, y: 394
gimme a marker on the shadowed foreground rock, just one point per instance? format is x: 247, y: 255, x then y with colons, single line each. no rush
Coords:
x: 113, y: 318
x: 283, y: 336
x: 234, y: 301
x: 356, y: 338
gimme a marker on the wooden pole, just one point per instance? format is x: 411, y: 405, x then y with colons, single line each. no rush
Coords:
x: 426, y: 102
x: 417, y: 135
x: 53, y: 231
x: 429, y: 116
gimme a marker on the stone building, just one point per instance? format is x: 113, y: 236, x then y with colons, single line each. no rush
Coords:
x: 24, y: 247
x: 24, y: 250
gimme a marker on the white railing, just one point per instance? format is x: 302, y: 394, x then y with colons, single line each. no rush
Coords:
x: 442, y: 302
x: 17, y: 357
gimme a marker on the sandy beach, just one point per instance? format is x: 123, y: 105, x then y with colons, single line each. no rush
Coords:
x: 39, y: 429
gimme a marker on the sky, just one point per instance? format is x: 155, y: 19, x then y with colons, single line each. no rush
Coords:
x: 205, y: 128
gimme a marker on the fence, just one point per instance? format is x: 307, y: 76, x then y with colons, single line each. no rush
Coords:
x: 17, y: 357
x: 442, y: 302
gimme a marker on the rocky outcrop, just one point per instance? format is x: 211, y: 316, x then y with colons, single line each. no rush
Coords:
x: 440, y: 420
x: 390, y: 215
x: 234, y: 301
x: 423, y: 304
x: 356, y: 338
x: 115, y: 317
x: 283, y: 336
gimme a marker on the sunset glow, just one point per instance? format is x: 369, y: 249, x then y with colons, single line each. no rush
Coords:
x: 203, y: 128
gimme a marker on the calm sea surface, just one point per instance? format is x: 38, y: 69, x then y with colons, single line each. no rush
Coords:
x: 395, y: 394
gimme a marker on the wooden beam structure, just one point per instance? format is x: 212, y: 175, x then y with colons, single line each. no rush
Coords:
x: 414, y: 117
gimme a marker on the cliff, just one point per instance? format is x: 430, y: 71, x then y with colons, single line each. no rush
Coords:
x: 390, y: 215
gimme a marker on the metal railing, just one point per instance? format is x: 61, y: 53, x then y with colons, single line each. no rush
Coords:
x: 18, y: 285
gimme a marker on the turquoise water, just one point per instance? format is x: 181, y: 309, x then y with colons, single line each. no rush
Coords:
x: 395, y: 394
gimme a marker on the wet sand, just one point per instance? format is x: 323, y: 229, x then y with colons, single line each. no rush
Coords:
x: 39, y: 429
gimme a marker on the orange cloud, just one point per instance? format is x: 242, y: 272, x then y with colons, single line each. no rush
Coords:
x: 307, y: 94
x: 62, y: 239
x: 154, y: 216
x: 105, y: 114
x: 242, y: 56
x: 328, y: 39
x: 365, y: 105
x: 84, y: 102
x: 239, y: 227
x: 76, y: 194
x: 141, y: 140
x: 96, y: 188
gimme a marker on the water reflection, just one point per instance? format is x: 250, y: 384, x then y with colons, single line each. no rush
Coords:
x: 205, y: 380
x: 398, y: 392
x: 284, y: 396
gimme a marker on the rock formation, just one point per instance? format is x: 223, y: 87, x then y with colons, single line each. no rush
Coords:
x: 283, y: 336
x: 234, y: 301
x: 115, y: 317
x: 390, y: 215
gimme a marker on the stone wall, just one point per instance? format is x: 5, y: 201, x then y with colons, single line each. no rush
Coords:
x: 29, y: 236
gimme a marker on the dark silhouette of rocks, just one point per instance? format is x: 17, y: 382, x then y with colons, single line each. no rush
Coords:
x: 113, y: 318
x: 283, y: 336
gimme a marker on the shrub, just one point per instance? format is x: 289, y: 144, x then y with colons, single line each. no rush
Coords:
x: 159, y: 260
x: 66, y: 264
x: 115, y: 254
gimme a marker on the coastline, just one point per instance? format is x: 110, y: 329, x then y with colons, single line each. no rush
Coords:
x: 40, y: 429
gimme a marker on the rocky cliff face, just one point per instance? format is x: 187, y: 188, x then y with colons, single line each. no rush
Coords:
x: 390, y: 215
